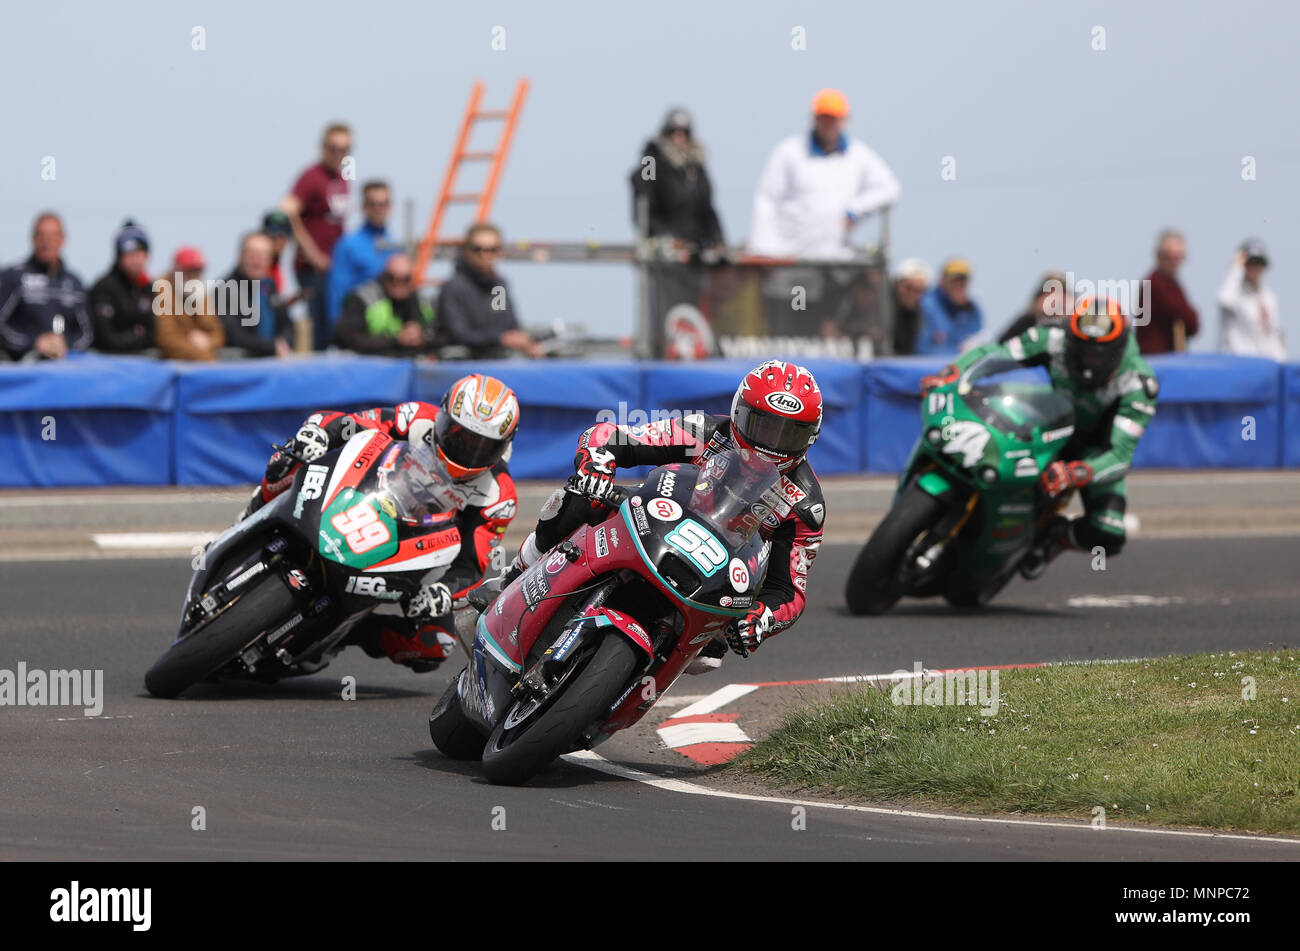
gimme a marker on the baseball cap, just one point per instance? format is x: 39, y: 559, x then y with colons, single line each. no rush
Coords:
x: 130, y: 237
x: 830, y: 102
x: 1254, y: 250
x: 188, y: 258
x: 676, y: 119
x: 276, y: 222
x: 914, y: 267
x: 956, y: 267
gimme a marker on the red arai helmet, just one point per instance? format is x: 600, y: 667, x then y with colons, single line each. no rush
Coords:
x: 777, y: 412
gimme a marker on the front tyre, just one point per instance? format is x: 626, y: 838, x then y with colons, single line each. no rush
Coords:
x: 216, y: 643
x: 875, y: 582
x: 514, y: 755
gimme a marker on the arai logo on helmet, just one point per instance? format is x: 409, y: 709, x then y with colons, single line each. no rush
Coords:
x: 786, y: 403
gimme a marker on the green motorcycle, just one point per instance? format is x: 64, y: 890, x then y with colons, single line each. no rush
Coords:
x: 968, y: 506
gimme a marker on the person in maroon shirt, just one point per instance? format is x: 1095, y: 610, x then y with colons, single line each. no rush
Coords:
x: 317, y: 207
x: 1168, y: 308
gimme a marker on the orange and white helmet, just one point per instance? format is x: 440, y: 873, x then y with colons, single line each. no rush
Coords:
x: 476, y: 421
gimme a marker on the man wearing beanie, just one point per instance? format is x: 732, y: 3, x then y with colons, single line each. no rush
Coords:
x: 121, y: 302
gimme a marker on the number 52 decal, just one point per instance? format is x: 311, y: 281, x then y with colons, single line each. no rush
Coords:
x: 698, y: 544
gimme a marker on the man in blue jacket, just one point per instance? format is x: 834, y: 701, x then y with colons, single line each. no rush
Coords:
x: 360, y: 256
x: 948, y: 315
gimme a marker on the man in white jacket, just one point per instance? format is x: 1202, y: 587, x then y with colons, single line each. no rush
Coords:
x: 816, y: 186
x: 1248, y: 316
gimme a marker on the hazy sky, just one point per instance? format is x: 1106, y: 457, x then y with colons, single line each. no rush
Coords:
x: 1065, y: 156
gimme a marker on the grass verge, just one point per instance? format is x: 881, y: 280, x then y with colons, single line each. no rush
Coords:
x: 1207, y: 740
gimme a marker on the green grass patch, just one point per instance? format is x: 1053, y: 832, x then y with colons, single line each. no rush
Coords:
x: 1173, y: 741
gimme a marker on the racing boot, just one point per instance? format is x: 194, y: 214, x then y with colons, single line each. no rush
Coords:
x: 709, y: 658
x: 1056, y: 538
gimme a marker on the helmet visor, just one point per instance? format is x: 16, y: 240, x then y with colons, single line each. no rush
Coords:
x: 778, y: 434
x: 464, y: 447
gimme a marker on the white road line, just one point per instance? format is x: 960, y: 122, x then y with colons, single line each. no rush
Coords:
x: 139, y: 540
x: 597, y: 762
x: 716, y: 700
x: 679, y: 701
x: 687, y: 734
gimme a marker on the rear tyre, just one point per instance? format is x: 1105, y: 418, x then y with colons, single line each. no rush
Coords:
x: 874, y: 584
x: 219, y: 641
x: 513, y: 756
x: 451, y: 731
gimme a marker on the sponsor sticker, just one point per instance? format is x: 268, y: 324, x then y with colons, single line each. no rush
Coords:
x: 602, y: 544
x: 555, y: 563
x: 1052, y: 435
x: 667, y: 482
x: 665, y: 510
x: 738, y: 575
x: 786, y: 403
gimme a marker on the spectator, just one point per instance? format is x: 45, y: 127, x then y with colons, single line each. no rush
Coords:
x: 474, y: 307
x: 1050, y: 304
x: 277, y: 227
x: 191, y: 330
x: 673, y: 185
x: 909, y: 286
x: 317, y: 208
x: 1248, y: 316
x: 948, y: 315
x: 248, y: 294
x: 816, y: 186
x: 43, y: 310
x: 386, y: 316
x: 121, y: 302
x: 360, y: 256
x: 1170, y: 319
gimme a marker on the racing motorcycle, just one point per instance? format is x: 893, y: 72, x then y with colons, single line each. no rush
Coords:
x: 276, y: 595
x: 968, y: 507
x: 582, y: 644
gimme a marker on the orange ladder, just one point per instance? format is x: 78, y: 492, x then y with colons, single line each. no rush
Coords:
x: 447, y: 195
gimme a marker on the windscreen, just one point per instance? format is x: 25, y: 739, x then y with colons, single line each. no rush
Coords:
x: 734, y: 493
x: 418, y: 483
x: 1014, y: 399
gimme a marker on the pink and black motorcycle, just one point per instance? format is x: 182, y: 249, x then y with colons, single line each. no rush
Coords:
x: 583, y: 643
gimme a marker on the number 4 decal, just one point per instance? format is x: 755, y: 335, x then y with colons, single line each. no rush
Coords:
x: 698, y: 544
x: 361, y: 527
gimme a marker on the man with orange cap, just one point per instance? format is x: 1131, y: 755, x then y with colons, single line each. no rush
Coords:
x: 816, y: 186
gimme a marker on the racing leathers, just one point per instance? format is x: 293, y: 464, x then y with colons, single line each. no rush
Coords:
x: 795, y: 539
x: 424, y: 637
x: 1109, y: 420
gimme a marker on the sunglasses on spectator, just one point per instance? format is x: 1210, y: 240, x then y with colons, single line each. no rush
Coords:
x: 397, y: 278
x: 485, y: 248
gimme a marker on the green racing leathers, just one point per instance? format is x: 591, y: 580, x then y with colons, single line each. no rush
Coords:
x: 1109, y: 421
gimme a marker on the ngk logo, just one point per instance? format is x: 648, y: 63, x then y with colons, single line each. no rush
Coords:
x: 786, y: 403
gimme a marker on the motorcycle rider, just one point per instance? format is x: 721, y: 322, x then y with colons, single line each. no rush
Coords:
x: 471, y: 431
x: 1094, y: 360
x: 777, y: 414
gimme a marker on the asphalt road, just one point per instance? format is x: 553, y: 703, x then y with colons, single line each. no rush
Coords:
x: 294, y: 771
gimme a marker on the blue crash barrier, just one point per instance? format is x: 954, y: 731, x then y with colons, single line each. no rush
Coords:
x: 557, y: 401
x: 87, y: 420
x: 229, y: 414
x: 1291, y: 415
x: 1215, y: 411
x: 96, y: 420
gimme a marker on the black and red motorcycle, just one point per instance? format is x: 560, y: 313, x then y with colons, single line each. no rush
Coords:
x: 583, y: 643
x: 277, y: 594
